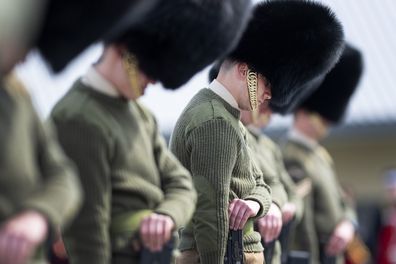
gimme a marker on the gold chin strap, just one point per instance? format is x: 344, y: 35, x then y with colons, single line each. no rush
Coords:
x: 259, y: 119
x: 255, y: 116
x: 318, y: 124
x: 252, y: 85
x: 131, y: 66
x: 263, y: 119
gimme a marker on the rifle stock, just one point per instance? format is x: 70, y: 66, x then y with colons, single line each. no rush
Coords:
x: 284, y: 240
x: 234, y: 251
x: 324, y: 258
x: 269, y: 251
x: 162, y: 257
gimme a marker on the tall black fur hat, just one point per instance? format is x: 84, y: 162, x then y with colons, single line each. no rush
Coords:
x: 214, y: 71
x: 331, y: 99
x: 181, y: 37
x: 292, y: 43
x: 70, y: 26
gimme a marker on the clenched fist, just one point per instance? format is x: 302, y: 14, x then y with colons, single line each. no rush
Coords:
x: 270, y: 225
x: 240, y: 211
x: 341, y: 237
x: 20, y: 236
x: 288, y: 212
x: 155, y: 231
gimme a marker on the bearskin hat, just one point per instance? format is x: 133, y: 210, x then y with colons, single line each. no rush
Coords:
x: 292, y: 43
x: 331, y: 99
x: 70, y: 26
x: 214, y: 71
x: 182, y: 37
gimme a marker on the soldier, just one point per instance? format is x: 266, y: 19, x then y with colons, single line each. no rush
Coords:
x: 134, y: 186
x: 286, y: 205
x: 386, y: 240
x: 328, y: 221
x: 209, y: 139
x: 39, y: 191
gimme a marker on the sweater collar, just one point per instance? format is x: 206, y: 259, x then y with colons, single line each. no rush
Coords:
x: 96, y: 81
x: 299, y: 137
x: 254, y: 131
x: 212, y: 95
x: 219, y: 89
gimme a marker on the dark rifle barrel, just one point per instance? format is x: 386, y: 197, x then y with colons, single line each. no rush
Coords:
x: 234, y: 250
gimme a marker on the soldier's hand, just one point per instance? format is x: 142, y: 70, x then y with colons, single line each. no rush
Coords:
x: 20, y: 236
x: 288, y: 212
x: 240, y: 211
x: 270, y: 225
x: 58, y: 248
x: 341, y: 237
x: 155, y: 231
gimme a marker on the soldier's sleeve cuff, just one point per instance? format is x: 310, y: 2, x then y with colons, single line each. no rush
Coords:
x: 354, y: 223
x: 51, y: 217
x: 264, y: 205
x: 168, y: 213
x: 277, y: 203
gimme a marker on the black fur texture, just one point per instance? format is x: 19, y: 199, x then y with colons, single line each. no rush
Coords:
x: 182, y: 37
x: 70, y: 26
x: 214, y: 71
x: 292, y: 43
x: 331, y: 99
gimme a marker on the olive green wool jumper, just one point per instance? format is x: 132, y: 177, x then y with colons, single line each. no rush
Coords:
x: 264, y: 160
x: 34, y: 172
x: 124, y: 166
x: 269, y: 159
x: 211, y: 143
x: 325, y: 206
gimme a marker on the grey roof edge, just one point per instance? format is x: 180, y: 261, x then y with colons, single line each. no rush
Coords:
x: 349, y: 132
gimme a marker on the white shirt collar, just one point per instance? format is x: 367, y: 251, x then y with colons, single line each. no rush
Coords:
x: 255, y: 130
x: 221, y: 91
x: 97, y: 82
x: 297, y: 136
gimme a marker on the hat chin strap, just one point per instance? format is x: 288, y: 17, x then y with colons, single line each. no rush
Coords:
x: 255, y: 117
x: 252, y: 86
x: 130, y: 63
x: 259, y: 119
x: 321, y: 129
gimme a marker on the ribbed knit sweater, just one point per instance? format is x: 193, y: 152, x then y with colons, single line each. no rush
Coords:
x: 270, y: 161
x: 34, y: 172
x: 325, y: 206
x: 124, y: 166
x: 265, y: 160
x: 211, y: 142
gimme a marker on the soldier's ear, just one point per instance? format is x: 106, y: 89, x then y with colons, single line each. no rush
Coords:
x: 242, y: 69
